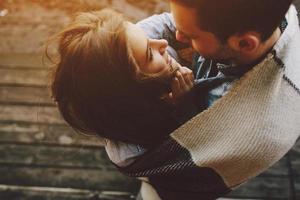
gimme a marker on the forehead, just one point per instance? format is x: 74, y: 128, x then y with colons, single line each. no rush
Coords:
x: 186, y: 18
x: 137, y: 42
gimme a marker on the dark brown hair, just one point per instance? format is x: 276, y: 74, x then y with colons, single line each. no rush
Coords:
x: 98, y: 86
x: 225, y: 18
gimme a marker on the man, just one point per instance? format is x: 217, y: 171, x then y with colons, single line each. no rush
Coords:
x: 248, y: 75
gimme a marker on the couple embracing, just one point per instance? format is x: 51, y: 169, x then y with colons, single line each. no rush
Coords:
x: 194, y: 128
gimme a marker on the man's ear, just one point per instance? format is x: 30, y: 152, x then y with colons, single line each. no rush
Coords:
x: 246, y: 43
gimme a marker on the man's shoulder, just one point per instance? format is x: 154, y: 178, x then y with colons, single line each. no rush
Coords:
x: 287, y: 49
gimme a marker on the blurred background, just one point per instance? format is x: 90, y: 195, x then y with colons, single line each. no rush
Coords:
x: 40, y: 156
x: 25, y: 24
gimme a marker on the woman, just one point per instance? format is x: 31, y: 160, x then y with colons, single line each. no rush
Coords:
x: 112, y: 80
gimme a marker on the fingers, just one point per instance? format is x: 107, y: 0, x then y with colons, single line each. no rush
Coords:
x: 175, y: 87
x: 186, y: 77
x: 183, y: 82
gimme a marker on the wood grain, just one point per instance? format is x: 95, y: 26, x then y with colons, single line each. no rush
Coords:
x: 45, y: 134
x: 25, y: 95
x: 30, y: 114
x: 67, y: 178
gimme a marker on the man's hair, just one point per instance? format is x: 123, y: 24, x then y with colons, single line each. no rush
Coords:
x: 225, y: 18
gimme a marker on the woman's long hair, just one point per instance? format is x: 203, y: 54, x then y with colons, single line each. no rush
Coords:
x: 96, y: 84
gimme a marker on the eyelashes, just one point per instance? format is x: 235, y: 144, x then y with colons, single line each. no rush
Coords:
x: 150, y: 54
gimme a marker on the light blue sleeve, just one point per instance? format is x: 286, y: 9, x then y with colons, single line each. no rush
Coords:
x: 162, y: 26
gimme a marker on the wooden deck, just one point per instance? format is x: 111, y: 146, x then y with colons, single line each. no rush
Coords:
x: 41, y: 158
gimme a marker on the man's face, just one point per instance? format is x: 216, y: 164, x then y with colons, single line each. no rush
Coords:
x: 188, y: 31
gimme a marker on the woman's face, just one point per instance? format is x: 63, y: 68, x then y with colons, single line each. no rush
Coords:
x: 150, y: 54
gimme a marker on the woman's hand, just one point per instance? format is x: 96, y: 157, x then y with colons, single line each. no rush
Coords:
x: 182, y: 83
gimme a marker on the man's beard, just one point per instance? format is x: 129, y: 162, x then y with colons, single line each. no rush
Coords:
x: 224, y: 55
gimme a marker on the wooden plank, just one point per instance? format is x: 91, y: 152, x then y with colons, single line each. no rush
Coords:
x: 45, y: 134
x: 297, y: 187
x: 297, y: 4
x: 25, y: 95
x: 264, y: 188
x: 24, y: 77
x: 30, y: 114
x: 129, y: 10
x: 278, y: 169
x: 25, y: 60
x: 55, y: 156
x: 68, y: 178
x: 43, y: 193
x: 227, y: 198
x: 294, y: 156
x: 241, y: 198
x: 47, y: 193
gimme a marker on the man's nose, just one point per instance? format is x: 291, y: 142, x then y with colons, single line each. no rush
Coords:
x: 181, y: 37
